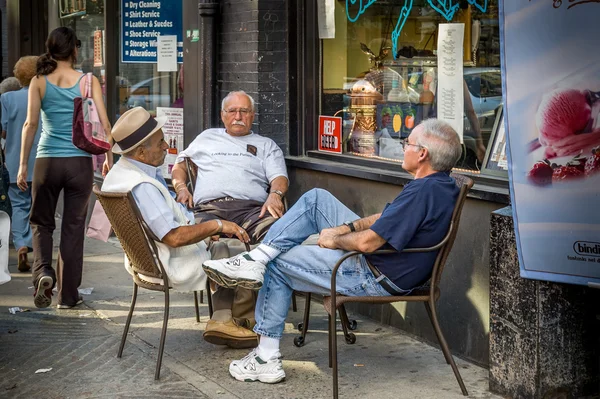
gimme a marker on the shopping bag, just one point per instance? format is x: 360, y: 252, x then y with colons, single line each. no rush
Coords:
x: 88, y: 132
x: 99, y: 226
x: 5, y: 205
x: 4, y: 232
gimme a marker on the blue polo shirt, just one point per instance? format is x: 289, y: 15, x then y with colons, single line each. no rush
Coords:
x: 418, y: 217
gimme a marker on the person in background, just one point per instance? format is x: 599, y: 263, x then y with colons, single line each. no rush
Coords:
x: 7, y: 85
x: 14, y: 112
x: 60, y: 166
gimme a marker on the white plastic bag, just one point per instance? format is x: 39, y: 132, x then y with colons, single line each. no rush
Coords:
x: 4, y: 232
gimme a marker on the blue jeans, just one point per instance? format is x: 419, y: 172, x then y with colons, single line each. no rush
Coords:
x: 308, y: 268
x: 21, y: 206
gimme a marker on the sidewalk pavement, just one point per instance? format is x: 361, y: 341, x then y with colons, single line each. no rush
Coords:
x: 80, y: 345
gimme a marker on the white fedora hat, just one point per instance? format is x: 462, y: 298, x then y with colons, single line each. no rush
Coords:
x: 133, y: 128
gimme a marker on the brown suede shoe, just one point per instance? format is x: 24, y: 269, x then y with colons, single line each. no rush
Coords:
x: 23, y: 263
x: 230, y: 334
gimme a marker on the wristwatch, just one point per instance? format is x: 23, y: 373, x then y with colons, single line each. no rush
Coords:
x: 350, y: 224
x: 280, y: 193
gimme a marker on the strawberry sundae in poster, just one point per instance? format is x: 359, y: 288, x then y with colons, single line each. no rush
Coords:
x: 551, y: 67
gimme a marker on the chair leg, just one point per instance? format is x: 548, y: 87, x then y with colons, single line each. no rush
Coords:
x: 202, y: 296
x: 209, y: 298
x: 163, y: 335
x: 196, y: 306
x: 444, y: 346
x: 438, y: 337
x: 333, y: 361
x: 350, y: 337
x: 303, y: 327
x: 294, y: 307
x: 329, y: 340
x: 128, y: 322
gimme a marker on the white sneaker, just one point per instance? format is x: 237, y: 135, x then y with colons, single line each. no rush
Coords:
x: 253, y: 368
x: 241, y: 270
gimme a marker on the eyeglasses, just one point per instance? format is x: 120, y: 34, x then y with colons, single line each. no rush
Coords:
x: 404, y: 143
x: 78, y: 43
x: 243, y: 111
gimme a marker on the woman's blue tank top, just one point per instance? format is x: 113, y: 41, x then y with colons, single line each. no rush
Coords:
x: 57, y: 122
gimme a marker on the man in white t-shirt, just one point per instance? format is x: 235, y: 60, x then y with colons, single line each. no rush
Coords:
x: 241, y: 178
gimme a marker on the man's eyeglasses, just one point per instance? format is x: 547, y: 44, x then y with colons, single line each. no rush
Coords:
x: 404, y: 143
x: 243, y: 111
x: 78, y: 43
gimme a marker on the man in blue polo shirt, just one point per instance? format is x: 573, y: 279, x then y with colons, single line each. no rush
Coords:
x: 418, y: 217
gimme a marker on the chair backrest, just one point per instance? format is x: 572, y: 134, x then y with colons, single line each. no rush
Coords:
x: 465, y: 183
x: 192, y: 173
x: 135, y: 237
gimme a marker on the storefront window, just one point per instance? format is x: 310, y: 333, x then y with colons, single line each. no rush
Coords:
x: 139, y: 82
x: 382, y: 96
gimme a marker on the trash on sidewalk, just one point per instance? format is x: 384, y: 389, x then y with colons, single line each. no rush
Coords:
x: 85, y: 315
x: 16, y: 310
x: 38, y: 371
x: 358, y: 365
x: 82, y: 291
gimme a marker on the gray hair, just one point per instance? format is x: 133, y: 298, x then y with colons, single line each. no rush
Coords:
x: 233, y: 93
x: 9, y: 84
x: 442, y: 142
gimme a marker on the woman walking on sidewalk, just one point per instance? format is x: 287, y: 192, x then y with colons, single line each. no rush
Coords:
x: 60, y: 166
x: 14, y: 112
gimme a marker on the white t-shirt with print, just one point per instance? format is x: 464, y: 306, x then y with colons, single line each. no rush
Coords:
x: 240, y: 167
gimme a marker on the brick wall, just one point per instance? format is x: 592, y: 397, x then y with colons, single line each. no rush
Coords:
x: 253, y: 57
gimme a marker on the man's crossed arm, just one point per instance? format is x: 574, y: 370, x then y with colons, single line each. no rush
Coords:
x: 363, y: 239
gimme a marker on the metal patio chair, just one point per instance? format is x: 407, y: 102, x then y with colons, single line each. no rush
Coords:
x: 139, y: 246
x: 428, y: 295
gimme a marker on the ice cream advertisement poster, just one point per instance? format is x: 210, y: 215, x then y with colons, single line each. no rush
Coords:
x: 551, y: 77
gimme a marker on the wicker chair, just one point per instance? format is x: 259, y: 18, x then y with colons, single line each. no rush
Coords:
x: 428, y: 296
x: 139, y: 246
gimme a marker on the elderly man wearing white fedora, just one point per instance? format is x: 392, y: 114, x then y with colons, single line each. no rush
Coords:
x: 139, y: 139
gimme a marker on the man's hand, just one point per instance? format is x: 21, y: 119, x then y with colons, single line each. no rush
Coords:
x: 274, y: 205
x: 185, y: 197
x: 231, y: 229
x: 327, y: 238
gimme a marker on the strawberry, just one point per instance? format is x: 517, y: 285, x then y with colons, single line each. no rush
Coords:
x: 592, y: 165
x: 541, y: 173
x: 578, y: 161
x: 566, y: 173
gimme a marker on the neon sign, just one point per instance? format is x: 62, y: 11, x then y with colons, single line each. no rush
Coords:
x: 446, y: 8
